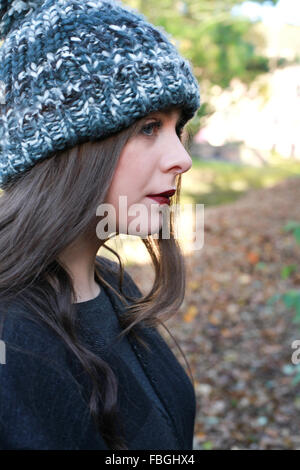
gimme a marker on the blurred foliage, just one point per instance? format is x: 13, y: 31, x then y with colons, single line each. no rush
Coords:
x: 213, y: 182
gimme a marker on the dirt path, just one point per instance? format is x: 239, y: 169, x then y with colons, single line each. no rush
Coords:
x: 238, y: 347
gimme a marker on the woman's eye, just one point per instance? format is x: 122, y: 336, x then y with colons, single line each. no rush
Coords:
x: 150, y: 127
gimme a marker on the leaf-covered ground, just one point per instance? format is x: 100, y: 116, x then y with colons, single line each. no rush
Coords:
x: 238, y: 347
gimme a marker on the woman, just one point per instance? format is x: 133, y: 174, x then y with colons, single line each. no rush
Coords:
x: 96, y: 99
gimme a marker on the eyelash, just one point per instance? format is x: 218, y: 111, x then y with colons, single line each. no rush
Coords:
x: 158, y: 125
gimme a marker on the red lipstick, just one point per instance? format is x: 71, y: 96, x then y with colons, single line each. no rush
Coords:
x: 163, y: 198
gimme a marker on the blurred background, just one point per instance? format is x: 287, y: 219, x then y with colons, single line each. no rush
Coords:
x: 241, y: 313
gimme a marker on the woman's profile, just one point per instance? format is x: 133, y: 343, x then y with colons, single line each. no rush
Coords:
x: 95, y: 104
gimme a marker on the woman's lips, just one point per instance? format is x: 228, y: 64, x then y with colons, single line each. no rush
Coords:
x: 163, y: 197
x: 160, y: 199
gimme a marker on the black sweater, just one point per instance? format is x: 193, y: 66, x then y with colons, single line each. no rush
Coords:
x: 43, y: 401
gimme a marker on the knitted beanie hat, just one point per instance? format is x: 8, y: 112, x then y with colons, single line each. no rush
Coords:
x: 74, y: 70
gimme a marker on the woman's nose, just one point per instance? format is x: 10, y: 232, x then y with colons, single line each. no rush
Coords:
x: 177, y: 158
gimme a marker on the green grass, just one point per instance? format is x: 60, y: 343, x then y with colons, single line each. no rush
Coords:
x: 216, y: 182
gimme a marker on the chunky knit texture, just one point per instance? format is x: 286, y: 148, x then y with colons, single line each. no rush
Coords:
x: 73, y: 71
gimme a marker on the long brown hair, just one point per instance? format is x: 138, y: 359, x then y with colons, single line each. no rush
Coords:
x: 45, y: 209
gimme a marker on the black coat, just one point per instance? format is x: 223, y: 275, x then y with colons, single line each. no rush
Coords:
x: 42, y: 405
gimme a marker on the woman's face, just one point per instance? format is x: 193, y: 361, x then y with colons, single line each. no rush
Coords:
x: 148, y: 164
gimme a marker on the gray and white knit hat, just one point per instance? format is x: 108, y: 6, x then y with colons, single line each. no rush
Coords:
x: 73, y: 71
